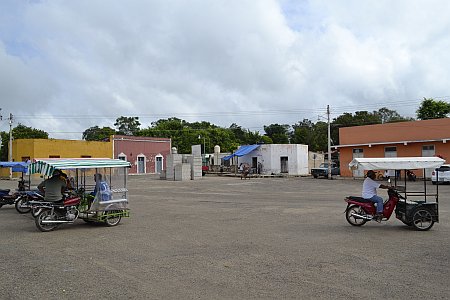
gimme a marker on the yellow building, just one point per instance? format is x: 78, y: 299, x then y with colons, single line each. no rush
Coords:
x: 29, y: 149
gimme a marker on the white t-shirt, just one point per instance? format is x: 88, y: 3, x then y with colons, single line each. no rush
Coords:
x: 369, y: 188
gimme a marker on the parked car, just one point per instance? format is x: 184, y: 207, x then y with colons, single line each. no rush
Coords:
x: 441, y: 174
x: 322, y: 170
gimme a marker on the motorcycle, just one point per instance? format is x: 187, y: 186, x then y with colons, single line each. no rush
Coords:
x: 10, y: 199
x: 6, y: 198
x: 49, y: 215
x: 23, y: 200
x: 420, y: 214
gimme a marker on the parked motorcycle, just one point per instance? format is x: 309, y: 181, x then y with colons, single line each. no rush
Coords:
x: 10, y: 199
x: 6, y: 198
x: 22, y: 203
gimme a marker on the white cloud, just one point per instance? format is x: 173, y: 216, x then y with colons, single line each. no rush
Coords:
x: 182, y: 58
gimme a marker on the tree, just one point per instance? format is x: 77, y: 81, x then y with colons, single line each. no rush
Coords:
x: 19, y: 132
x: 278, y: 133
x: 432, y: 109
x: 389, y: 116
x: 313, y: 135
x: 127, y: 125
x: 98, y: 134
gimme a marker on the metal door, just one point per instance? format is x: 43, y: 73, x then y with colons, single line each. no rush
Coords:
x: 284, y: 164
x: 141, y: 164
x: 158, y: 164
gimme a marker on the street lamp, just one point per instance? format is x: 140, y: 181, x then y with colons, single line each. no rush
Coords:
x: 204, y: 145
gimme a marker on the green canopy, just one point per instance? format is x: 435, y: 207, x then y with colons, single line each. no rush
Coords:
x: 47, y: 166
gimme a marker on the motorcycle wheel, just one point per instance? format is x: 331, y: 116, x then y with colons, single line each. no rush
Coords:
x: 422, y: 219
x: 355, y: 209
x: 19, y: 208
x: 45, y: 215
x: 113, y: 220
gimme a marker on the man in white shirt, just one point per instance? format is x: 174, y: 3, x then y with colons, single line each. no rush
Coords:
x: 369, y: 192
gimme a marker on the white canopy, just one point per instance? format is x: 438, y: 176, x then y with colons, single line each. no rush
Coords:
x: 396, y: 163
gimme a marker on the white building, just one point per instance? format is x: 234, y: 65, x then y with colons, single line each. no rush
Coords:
x: 289, y: 159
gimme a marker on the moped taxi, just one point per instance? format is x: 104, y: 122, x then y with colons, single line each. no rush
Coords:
x: 417, y: 208
x: 98, y: 192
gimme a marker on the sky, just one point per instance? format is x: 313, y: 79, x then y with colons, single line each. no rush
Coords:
x: 69, y: 65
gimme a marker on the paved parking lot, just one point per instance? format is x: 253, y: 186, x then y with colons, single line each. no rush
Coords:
x: 226, y: 238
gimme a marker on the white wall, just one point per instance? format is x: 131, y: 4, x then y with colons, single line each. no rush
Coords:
x: 270, y: 157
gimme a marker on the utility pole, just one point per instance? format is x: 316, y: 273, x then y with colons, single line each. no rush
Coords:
x: 329, y: 143
x: 10, y: 143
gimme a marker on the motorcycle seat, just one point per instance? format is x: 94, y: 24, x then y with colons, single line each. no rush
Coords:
x: 359, y: 199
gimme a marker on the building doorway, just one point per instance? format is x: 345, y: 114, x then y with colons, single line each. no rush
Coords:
x: 141, y: 164
x: 158, y: 164
x: 284, y: 164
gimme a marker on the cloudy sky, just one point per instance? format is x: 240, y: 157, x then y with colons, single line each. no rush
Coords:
x: 68, y: 65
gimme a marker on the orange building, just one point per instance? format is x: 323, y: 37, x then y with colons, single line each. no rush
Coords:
x: 415, y: 138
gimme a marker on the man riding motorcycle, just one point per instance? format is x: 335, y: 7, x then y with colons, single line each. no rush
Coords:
x: 53, y: 187
x: 369, y: 192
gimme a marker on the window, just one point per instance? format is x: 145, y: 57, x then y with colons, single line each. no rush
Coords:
x: 358, y: 150
x: 428, y: 150
x: 86, y: 156
x: 53, y: 156
x: 390, y: 152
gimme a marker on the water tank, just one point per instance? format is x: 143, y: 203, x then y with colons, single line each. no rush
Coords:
x: 174, y: 150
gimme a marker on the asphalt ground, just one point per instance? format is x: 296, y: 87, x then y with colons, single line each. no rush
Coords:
x: 226, y: 238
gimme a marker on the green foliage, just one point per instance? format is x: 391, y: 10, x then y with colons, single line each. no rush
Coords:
x: 19, y: 132
x: 127, y: 125
x: 98, y: 134
x: 24, y: 132
x: 279, y: 134
x: 389, y: 116
x: 432, y: 109
x: 313, y: 135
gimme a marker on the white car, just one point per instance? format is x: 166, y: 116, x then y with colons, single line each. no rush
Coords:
x: 441, y: 174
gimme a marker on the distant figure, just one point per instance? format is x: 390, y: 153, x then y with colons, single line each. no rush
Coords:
x: 259, y: 167
x: 411, y: 176
x: 245, y: 171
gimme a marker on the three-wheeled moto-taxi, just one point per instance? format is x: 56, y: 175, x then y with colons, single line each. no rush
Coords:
x: 418, y: 208
x: 97, y: 192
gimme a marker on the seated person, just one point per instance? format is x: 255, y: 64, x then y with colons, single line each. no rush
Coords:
x: 53, y: 187
x: 102, y: 187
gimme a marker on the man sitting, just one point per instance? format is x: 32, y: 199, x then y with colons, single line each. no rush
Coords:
x: 53, y: 187
x: 369, y: 192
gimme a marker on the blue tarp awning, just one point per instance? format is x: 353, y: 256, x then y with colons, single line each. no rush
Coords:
x: 243, y: 150
x: 17, y: 166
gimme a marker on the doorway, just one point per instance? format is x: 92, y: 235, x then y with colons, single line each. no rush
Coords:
x: 284, y: 164
x: 141, y: 165
x: 159, y: 164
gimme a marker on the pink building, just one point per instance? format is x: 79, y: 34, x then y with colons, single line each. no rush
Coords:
x: 146, y: 154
